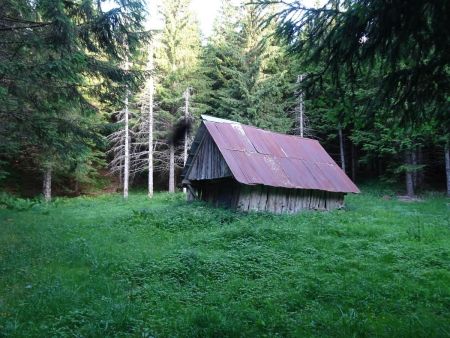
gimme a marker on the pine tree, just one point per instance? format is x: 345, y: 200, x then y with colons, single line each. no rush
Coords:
x: 250, y: 75
x: 143, y: 145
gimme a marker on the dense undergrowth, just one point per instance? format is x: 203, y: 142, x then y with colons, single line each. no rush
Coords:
x: 103, y: 267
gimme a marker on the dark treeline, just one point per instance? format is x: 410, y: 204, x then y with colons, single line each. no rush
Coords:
x: 378, y: 73
x: 373, y: 89
x: 60, y: 72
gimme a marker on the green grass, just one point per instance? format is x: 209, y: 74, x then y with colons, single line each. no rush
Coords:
x: 107, y: 267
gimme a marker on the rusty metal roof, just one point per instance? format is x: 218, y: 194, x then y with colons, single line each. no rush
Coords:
x: 257, y: 156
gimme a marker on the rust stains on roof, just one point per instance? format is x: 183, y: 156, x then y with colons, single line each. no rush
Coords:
x: 257, y: 156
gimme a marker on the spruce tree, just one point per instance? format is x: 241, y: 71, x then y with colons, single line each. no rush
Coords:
x: 252, y: 81
x: 59, y: 65
x: 177, y: 68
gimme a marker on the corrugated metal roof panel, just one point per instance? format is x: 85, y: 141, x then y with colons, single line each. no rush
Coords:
x: 261, y: 141
x: 233, y: 161
x: 257, y: 156
x: 297, y: 172
x: 232, y: 138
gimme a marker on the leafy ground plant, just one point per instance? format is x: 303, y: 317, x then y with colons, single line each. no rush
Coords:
x: 107, y: 267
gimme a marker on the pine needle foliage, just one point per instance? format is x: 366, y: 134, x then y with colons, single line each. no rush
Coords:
x: 409, y: 39
x: 60, y: 62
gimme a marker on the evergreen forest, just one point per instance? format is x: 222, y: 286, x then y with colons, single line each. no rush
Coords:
x: 90, y: 92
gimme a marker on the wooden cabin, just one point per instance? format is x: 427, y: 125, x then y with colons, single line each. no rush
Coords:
x: 249, y: 169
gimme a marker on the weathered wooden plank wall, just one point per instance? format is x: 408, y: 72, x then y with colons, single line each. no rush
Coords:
x: 208, y: 162
x: 228, y: 193
x: 281, y: 200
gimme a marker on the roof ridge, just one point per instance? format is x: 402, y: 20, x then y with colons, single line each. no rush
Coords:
x: 210, y: 118
x: 283, y: 134
x: 217, y: 119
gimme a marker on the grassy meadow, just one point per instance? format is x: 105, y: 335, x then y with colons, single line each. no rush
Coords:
x: 102, y: 266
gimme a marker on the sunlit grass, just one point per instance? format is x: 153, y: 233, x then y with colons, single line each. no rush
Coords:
x: 103, y: 266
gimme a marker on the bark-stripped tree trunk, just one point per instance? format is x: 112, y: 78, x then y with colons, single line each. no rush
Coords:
x: 300, y: 107
x: 186, y: 116
x: 150, y: 122
x: 47, y: 184
x: 447, y: 166
x: 120, y: 175
x: 121, y: 148
x: 171, y: 168
x: 341, y: 148
x: 409, y: 174
x: 126, y: 169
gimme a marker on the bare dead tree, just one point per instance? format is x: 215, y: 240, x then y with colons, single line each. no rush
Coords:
x: 300, y: 107
x: 161, y: 154
x: 120, y: 148
x: 150, y: 89
x: 160, y: 145
x: 302, y: 126
x: 126, y: 173
x: 186, y: 95
x: 143, y: 147
x: 146, y: 153
x: 120, y: 141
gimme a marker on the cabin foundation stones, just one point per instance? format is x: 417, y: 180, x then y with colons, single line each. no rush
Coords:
x: 249, y: 169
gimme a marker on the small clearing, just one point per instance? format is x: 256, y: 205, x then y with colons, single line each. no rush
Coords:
x: 101, y: 266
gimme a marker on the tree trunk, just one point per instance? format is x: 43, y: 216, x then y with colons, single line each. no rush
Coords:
x: 420, y: 173
x: 354, y: 161
x: 150, y: 124
x: 447, y: 167
x: 126, y: 169
x: 300, y: 107
x: 186, y: 116
x: 414, y: 163
x: 120, y: 176
x: 409, y: 175
x: 341, y: 148
x: 172, y: 169
x: 47, y: 184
